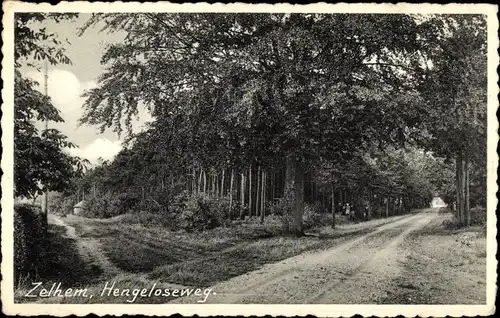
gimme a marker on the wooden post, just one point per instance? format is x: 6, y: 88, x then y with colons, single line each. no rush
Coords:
x: 45, y: 202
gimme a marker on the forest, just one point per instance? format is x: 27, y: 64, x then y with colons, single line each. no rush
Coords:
x: 292, y: 115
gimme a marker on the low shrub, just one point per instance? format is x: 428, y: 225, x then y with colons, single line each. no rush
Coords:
x: 444, y: 210
x: 30, y: 229
x: 109, y: 205
x: 478, y: 216
x: 148, y: 219
x: 452, y: 224
x: 201, y: 212
x: 61, y: 204
x: 282, y: 208
x: 312, y: 216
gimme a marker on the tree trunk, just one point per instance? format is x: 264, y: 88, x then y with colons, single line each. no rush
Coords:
x: 250, y: 194
x: 222, y: 182
x: 400, y: 205
x: 204, y: 182
x: 294, y: 188
x: 242, y: 199
x: 263, y: 197
x: 333, y: 206
x: 199, y: 180
x: 387, y: 206
x: 193, y: 180
x: 460, y: 194
x: 214, y: 184
x: 231, y: 192
x: 257, y: 193
x: 466, y: 191
x: 273, y: 181
x: 370, y: 202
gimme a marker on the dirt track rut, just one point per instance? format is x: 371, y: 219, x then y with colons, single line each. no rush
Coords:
x: 359, y: 271
x: 89, y: 249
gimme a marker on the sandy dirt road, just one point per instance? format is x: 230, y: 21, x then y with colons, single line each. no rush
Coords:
x: 359, y: 271
x: 89, y: 249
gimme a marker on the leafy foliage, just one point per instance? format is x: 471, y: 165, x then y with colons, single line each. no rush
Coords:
x: 364, y: 104
x: 29, y: 240
x: 40, y: 158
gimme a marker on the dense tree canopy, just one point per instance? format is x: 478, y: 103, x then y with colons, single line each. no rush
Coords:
x: 338, y: 98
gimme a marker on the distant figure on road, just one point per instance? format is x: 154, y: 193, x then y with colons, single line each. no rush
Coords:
x: 349, y: 211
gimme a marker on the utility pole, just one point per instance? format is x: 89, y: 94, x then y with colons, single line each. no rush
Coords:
x: 45, y: 202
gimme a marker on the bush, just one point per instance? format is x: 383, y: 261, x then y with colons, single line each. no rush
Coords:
x: 452, y: 224
x: 110, y: 205
x: 30, y: 231
x: 283, y: 209
x: 201, y: 212
x: 312, y: 217
x: 444, y: 210
x: 148, y: 219
x: 62, y: 205
x: 478, y: 216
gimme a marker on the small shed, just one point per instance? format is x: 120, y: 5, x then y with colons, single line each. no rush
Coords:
x: 80, y: 207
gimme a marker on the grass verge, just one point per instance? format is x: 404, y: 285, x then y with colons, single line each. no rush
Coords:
x: 65, y: 264
x: 443, y: 265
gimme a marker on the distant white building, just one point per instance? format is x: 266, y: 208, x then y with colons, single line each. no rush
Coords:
x: 80, y: 207
x: 437, y: 202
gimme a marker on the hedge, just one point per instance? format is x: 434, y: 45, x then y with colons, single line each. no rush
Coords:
x: 30, y: 231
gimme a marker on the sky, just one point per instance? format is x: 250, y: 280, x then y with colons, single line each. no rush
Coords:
x: 67, y: 83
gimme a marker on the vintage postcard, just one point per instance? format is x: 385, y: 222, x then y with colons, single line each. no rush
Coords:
x: 249, y: 159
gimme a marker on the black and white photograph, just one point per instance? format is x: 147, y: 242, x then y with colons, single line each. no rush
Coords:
x: 250, y: 156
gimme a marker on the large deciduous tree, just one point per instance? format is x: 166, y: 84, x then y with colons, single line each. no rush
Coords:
x: 269, y: 89
x: 457, y: 112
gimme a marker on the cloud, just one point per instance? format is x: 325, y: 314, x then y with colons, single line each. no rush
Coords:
x: 65, y: 90
x: 99, y: 148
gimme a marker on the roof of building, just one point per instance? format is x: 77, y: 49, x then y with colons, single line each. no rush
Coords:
x: 81, y: 204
